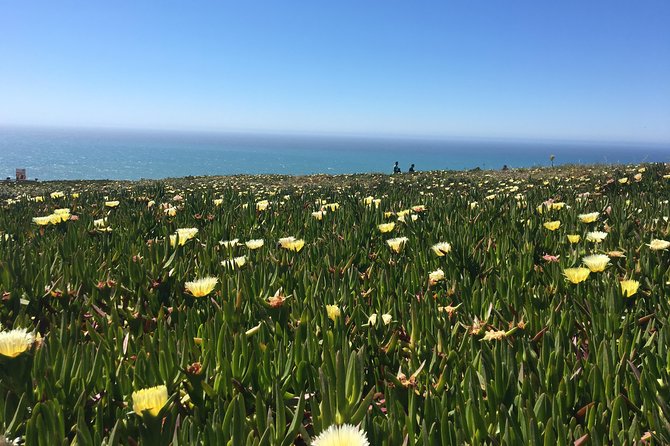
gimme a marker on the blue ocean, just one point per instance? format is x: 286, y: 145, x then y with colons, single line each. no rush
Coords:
x: 57, y: 154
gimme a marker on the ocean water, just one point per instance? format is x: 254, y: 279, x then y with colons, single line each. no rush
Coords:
x: 54, y: 154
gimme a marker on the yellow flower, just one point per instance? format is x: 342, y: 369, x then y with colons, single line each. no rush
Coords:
x: 262, y: 205
x: 655, y: 245
x: 588, y: 218
x: 318, y: 215
x: 150, y: 203
x: 296, y: 245
x: 332, y: 206
x: 369, y: 201
x: 440, y: 249
x: 552, y: 225
x: 254, y: 244
x: 629, y: 287
x: 402, y: 214
x: 342, y: 435
x: 218, y: 201
x: 576, y: 275
x: 557, y: 206
x: 14, y: 342
x: 596, y: 236
x: 75, y: 195
x: 184, y: 234
x: 291, y: 243
x: 386, y: 227
x: 171, y: 211
x: 596, y: 262
x: 333, y: 312
x: 623, y: 180
x: 60, y: 217
x: 58, y: 194
x: 396, y: 244
x: 436, y: 276
x: 42, y: 221
x: 100, y: 223
x: 201, y: 287
x: 574, y: 238
x: 150, y: 400
x: 111, y: 204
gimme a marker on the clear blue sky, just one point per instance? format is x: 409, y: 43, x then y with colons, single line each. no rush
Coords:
x: 568, y: 69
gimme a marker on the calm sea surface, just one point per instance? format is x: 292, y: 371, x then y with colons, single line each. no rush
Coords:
x: 52, y: 154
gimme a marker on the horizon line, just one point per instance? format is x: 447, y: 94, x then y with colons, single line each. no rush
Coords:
x: 335, y: 134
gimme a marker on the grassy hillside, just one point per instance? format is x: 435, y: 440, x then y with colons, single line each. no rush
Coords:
x: 454, y: 322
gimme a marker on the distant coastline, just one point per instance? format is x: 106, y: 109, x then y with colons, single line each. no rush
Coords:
x: 88, y: 154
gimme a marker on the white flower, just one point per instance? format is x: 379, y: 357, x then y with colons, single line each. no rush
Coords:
x: 229, y: 243
x: 235, y: 262
x: 596, y: 262
x: 596, y: 236
x: 436, y: 276
x: 386, y: 318
x: 254, y: 244
x: 343, y: 435
x: 396, y: 244
x: 15, y: 342
x: 658, y: 245
x: 440, y: 249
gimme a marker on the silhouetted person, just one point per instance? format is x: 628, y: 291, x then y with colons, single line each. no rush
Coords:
x: 411, y: 169
x: 396, y: 168
x: 505, y: 167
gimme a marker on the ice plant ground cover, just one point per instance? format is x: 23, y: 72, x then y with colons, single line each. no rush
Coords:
x: 481, y: 338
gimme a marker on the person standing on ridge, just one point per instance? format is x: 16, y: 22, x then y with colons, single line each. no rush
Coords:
x: 396, y: 168
x: 411, y: 169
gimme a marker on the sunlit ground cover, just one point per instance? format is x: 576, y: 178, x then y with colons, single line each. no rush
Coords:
x: 519, y: 307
